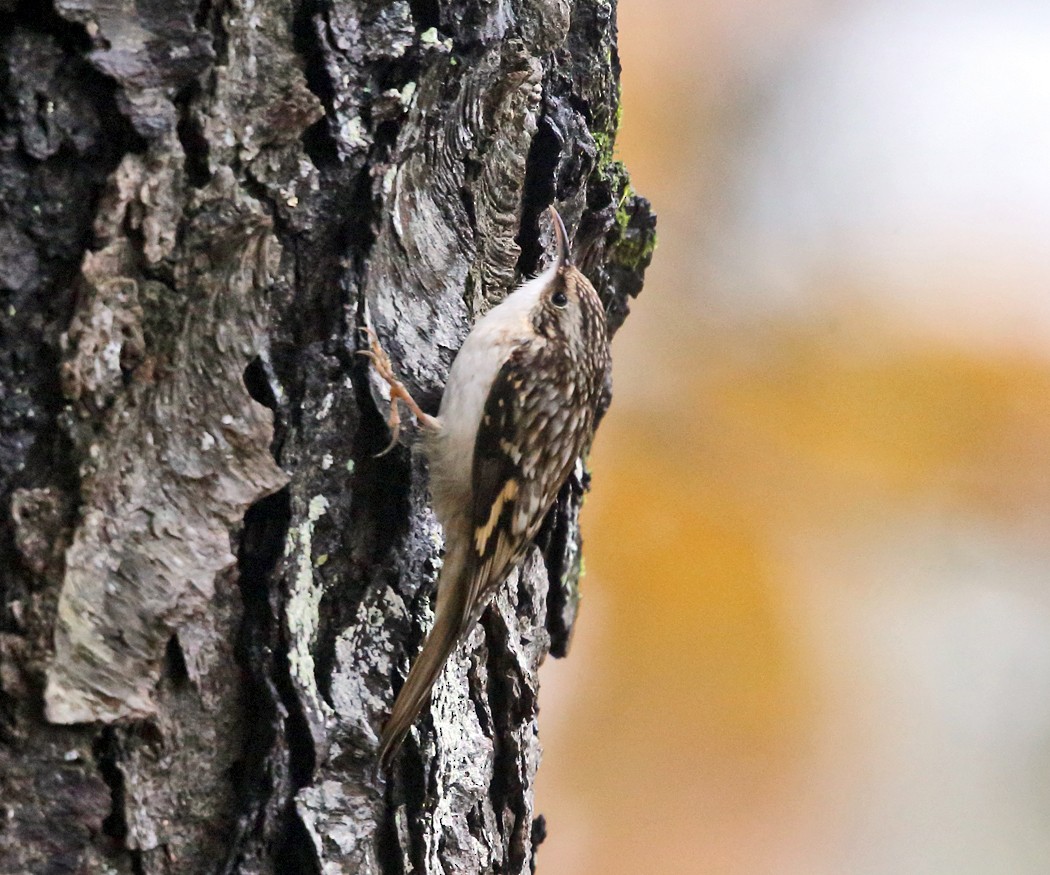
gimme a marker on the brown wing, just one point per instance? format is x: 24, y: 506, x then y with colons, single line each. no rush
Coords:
x: 527, y: 443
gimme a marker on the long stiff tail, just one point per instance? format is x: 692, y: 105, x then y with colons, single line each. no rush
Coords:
x: 442, y: 640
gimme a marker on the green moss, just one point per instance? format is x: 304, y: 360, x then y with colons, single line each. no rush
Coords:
x: 628, y: 248
x: 634, y: 249
x: 604, y: 144
x: 605, y: 141
x: 631, y: 248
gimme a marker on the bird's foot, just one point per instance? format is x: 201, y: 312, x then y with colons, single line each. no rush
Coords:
x: 385, y: 369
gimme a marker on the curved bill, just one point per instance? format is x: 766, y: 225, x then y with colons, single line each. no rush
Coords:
x: 563, y: 255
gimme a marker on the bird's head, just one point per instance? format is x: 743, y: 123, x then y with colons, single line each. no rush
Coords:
x: 567, y: 307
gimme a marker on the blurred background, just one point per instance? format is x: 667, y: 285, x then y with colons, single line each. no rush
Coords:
x: 815, y: 630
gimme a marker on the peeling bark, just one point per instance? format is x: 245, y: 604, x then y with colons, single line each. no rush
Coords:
x: 210, y: 586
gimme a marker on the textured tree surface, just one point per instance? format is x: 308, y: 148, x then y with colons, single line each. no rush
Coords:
x: 210, y: 586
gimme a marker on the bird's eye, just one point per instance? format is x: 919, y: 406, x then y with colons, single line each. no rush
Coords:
x: 558, y: 299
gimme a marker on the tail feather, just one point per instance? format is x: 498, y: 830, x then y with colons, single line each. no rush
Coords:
x: 439, y: 645
x: 414, y: 694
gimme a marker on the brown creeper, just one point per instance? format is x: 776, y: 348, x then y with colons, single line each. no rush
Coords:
x: 518, y: 408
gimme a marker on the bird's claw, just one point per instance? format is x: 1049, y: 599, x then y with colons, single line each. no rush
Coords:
x: 393, y: 422
x: 381, y: 362
x: 385, y: 369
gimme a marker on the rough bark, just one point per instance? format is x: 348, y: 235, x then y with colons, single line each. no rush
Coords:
x: 210, y: 586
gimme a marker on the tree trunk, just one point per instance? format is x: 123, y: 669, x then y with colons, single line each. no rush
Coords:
x: 211, y: 586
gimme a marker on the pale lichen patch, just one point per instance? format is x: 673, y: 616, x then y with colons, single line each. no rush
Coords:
x: 302, y: 609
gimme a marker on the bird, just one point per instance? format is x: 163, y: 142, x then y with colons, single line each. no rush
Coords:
x: 518, y: 409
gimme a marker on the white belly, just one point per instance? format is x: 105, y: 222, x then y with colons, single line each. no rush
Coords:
x: 451, y: 451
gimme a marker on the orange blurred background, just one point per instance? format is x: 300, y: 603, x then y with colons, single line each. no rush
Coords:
x: 815, y: 629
